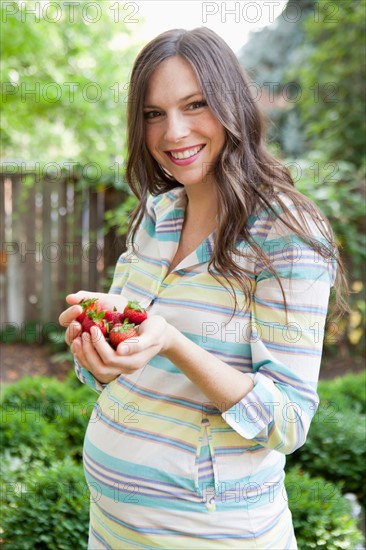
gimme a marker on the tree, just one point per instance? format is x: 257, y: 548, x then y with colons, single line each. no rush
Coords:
x: 266, y: 57
x: 65, y: 73
x: 331, y: 77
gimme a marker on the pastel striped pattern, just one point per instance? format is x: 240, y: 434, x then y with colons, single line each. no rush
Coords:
x: 167, y: 469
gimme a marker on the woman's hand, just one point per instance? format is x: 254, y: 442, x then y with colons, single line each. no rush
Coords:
x: 93, y: 352
x: 68, y: 317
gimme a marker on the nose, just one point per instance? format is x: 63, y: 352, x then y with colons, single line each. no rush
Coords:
x: 176, y: 127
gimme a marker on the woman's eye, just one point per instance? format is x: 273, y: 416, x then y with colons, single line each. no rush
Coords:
x: 151, y: 114
x: 198, y: 104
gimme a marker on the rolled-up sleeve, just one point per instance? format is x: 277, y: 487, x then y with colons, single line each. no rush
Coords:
x: 286, y: 347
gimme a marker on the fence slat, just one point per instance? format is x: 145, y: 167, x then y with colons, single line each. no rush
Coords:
x: 15, y: 272
x: 32, y: 249
x: 3, y: 255
x: 91, y: 250
x: 46, y: 291
x: 63, y: 272
x: 56, y: 231
x: 77, y: 241
x: 113, y: 245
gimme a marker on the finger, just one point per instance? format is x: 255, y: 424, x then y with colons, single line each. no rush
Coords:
x: 89, y: 350
x: 100, y: 371
x: 91, y: 358
x: 105, y: 351
x: 76, y: 297
x: 131, y: 346
x: 72, y: 332
x: 84, y: 355
x: 69, y: 315
x: 78, y: 352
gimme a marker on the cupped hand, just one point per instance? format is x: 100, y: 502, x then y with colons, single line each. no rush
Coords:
x: 94, y: 353
x: 68, y: 317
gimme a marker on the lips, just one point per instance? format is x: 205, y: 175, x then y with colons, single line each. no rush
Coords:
x: 180, y: 154
x: 185, y: 155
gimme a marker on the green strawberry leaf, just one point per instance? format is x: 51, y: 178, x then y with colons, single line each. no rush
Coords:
x: 133, y: 304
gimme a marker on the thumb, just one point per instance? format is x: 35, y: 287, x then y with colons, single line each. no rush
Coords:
x: 76, y: 298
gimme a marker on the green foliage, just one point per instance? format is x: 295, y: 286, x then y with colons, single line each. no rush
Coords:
x: 267, y: 56
x: 45, y: 498
x: 45, y: 419
x: 337, y: 188
x: 45, y: 508
x: 120, y: 215
x: 321, y: 515
x: 344, y: 393
x: 335, y: 449
x: 45, y: 396
x: 73, y: 424
x: 321, y: 127
x: 331, y: 78
x: 65, y: 71
x: 26, y: 434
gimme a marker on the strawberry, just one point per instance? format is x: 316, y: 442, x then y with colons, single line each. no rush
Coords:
x: 93, y: 319
x: 121, y: 332
x: 88, y: 305
x: 135, y: 313
x: 113, y: 317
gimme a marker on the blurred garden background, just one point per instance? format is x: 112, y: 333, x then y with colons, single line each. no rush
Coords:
x: 64, y: 212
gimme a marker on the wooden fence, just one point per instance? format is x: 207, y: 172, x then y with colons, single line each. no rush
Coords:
x: 53, y: 242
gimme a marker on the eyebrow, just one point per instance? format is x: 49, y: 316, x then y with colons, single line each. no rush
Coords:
x: 186, y: 98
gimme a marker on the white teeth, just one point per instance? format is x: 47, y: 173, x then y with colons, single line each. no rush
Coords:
x: 186, y: 154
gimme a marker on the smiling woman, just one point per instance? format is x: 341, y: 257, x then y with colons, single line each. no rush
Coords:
x: 177, y: 114
x: 187, y: 445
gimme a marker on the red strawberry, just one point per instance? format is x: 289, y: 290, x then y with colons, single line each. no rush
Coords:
x: 122, y: 332
x: 93, y: 319
x: 135, y: 313
x: 88, y: 305
x: 113, y: 317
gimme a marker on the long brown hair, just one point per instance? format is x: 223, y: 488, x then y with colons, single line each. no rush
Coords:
x: 250, y: 177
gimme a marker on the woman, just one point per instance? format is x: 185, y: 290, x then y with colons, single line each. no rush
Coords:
x: 186, y: 447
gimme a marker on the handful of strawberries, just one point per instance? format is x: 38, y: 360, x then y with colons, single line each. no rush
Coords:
x: 114, y: 325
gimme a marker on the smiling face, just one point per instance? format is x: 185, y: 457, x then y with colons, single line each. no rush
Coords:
x: 181, y: 132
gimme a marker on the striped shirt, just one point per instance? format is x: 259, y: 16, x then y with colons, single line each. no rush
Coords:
x: 166, y: 468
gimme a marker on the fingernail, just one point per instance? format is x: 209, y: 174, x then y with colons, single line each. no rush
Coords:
x: 124, y: 348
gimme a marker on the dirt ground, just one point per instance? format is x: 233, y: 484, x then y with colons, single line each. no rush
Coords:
x: 18, y: 360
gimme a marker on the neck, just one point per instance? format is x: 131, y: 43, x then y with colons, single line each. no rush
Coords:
x: 201, y: 205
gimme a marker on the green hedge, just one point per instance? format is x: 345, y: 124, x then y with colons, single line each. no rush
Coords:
x: 321, y: 515
x: 43, y: 428
x: 47, y: 508
x: 344, y: 393
x: 44, y: 508
x: 336, y: 444
x: 47, y: 416
x: 335, y: 449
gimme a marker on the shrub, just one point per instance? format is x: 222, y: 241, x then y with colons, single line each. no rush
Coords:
x: 47, y: 508
x: 344, y: 392
x: 335, y: 449
x: 45, y: 396
x: 45, y: 419
x: 30, y: 436
x: 74, y: 422
x: 321, y: 515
